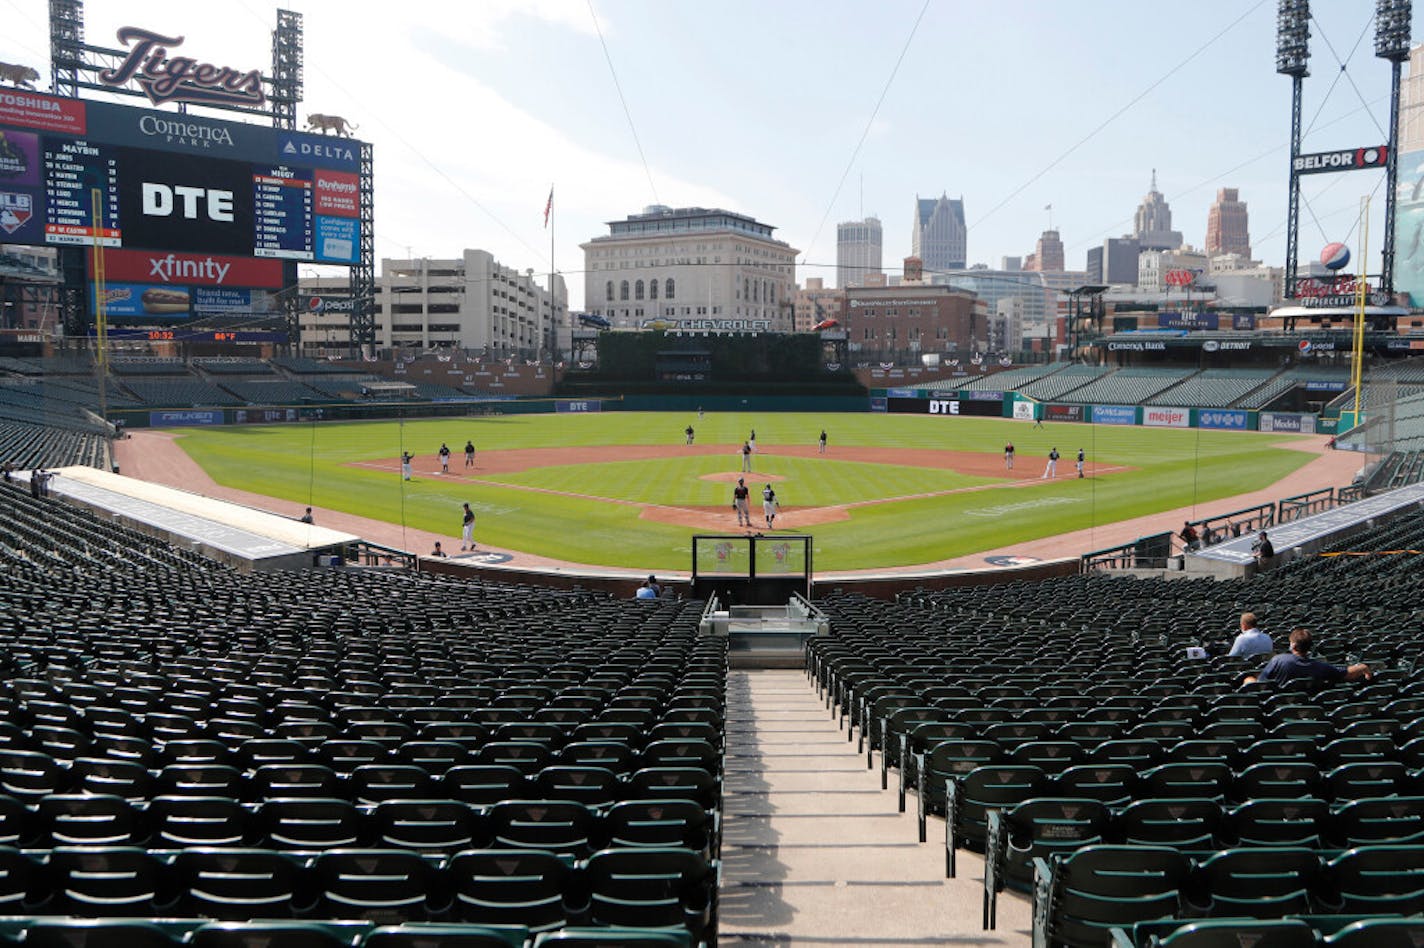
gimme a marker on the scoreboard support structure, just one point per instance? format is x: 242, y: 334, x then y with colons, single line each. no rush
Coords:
x: 363, y: 273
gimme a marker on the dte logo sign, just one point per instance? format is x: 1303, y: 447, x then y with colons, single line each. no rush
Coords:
x: 161, y: 200
x: 940, y: 406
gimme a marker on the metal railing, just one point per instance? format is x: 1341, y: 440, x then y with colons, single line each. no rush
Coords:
x: 1303, y: 505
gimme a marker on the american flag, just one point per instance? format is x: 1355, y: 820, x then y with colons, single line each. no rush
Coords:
x: 548, y: 205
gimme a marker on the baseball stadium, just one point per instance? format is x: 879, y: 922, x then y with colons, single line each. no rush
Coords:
x: 646, y: 636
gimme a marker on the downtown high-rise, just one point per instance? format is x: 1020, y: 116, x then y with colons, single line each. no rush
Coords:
x: 939, y: 236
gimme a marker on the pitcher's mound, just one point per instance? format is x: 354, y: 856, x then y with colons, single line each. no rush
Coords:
x: 730, y: 477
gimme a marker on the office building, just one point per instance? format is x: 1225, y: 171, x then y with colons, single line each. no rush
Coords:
x: 816, y: 303
x: 858, y: 251
x: 470, y: 302
x: 939, y: 236
x: 904, y: 321
x: 1047, y: 256
x: 1152, y: 225
x: 1115, y: 262
x: 1227, y: 227
x: 693, y: 269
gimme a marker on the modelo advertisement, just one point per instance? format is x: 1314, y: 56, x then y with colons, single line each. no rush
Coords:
x: 947, y: 407
x: 1155, y: 417
x: 1114, y: 415
x: 1283, y: 422
x: 1223, y: 420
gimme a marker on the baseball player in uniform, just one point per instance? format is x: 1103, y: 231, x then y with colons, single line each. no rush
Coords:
x: 740, y: 494
x: 444, y: 458
x: 1009, y: 456
x: 467, y: 530
x: 1079, y: 463
x: 469, y: 454
x: 1052, y: 469
x: 406, y: 458
x: 768, y: 505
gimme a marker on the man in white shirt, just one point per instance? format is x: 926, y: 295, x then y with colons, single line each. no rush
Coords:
x: 1251, y: 641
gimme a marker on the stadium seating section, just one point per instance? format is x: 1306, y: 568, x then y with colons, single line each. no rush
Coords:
x: 374, y: 757
x: 1061, y: 729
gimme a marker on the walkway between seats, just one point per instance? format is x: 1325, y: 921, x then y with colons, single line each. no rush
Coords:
x: 815, y: 853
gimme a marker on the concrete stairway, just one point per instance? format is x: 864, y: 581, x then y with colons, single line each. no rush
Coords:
x: 815, y: 853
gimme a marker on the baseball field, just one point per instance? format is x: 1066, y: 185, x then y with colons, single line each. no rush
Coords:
x: 624, y: 490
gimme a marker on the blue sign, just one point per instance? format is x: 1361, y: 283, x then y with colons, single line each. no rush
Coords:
x: 1114, y: 415
x: 1222, y: 419
x: 977, y: 395
x: 319, y: 151
x: 130, y: 302
x: 183, y: 419
x: 1325, y: 386
x: 337, y: 239
x: 1187, y: 320
x: 902, y: 393
x: 586, y: 405
x: 1243, y: 321
x: 879, y: 404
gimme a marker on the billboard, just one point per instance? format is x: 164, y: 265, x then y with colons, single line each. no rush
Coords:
x: 1409, y: 227
x: 1293, y: 423
x: 1222, y: 420
x: 1155, y: 417
x: 173, y: 181
x: 1062, y: 412
x: 1114, y: 415
x: 946, y: 407
x: 1197, y: 321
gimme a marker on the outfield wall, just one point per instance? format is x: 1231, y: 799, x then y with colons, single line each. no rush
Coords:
x: 990, y: 404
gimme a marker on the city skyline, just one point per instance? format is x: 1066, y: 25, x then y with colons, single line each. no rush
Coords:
x: 473, y: 117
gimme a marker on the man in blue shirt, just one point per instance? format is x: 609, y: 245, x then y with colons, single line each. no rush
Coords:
x: 1251, y: 641
x: 1297, y: 663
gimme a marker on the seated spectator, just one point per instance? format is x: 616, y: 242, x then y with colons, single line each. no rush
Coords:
x: 437, y: 551
x: 645, y: 592
x: 307, y: 517
x: 655, y: 586
x: 1297, y: 663
x: 1251, y: 641
x: 1189, y: 536
x: 1263, y: 549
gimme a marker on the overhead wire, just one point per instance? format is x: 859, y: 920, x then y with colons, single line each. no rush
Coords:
x: 869, y: 123
x: 1118, y: 114
x: 627, y: 113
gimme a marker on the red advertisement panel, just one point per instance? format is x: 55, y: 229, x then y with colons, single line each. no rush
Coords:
x: 45, y: 112
x: 338, y: 193
x: 189, y: 269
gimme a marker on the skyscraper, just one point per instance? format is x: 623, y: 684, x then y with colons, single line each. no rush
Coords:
x: 1152, y: 226
x: 1227, y: 230
x: 939, y: 236
x: 858, y: 251
x: 1047, y: 256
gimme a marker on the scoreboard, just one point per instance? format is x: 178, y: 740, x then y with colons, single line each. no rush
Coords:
x: 169, y: 181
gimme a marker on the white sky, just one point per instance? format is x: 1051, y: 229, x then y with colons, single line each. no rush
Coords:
x: 476, y: 107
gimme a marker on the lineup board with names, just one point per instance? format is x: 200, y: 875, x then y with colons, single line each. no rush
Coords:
x: 73, y: 169
x: 283, y: 213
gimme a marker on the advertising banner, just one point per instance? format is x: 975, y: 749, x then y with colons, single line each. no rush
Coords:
x: 878, y: 403
x: 1222, y: 420
x: 947, y: 407
x: 1023, y: 411
x: 180, y: 419
x: 190, y: 269
x: 1188, y: 321
x: 978, y: 395
x: 45, y: 112
x: 127, y: 302
x: 263, y: 416
x: 587, y: 405
x: 1155, y: 417
x: 1243, y: 321
x: 1063, y: 412
x: 1114, y: 415
x: 902, y: 393
x: 220, y: 300
x: 1286, y: 422
x: 1409, y: 221
x: 337, y: 239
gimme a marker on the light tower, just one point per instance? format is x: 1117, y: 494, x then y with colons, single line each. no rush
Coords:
x: 1293, y: 59
x: 1391, y: 43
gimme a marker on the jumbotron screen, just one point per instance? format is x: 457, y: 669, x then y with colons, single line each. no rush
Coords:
x: 194, y: 212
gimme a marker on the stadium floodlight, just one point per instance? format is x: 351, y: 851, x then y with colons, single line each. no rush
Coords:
x: 1392, y: 29
x: 1293, y: 38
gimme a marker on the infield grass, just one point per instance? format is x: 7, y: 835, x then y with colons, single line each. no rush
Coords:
x: 588, y: 513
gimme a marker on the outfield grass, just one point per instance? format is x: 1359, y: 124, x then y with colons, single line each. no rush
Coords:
x: 310, y: 464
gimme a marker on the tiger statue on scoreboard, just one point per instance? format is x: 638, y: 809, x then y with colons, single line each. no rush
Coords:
x: 334, y: 123
x: 21, y: 77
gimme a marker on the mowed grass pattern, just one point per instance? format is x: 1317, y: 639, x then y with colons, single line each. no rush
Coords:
x: 556, y: 511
